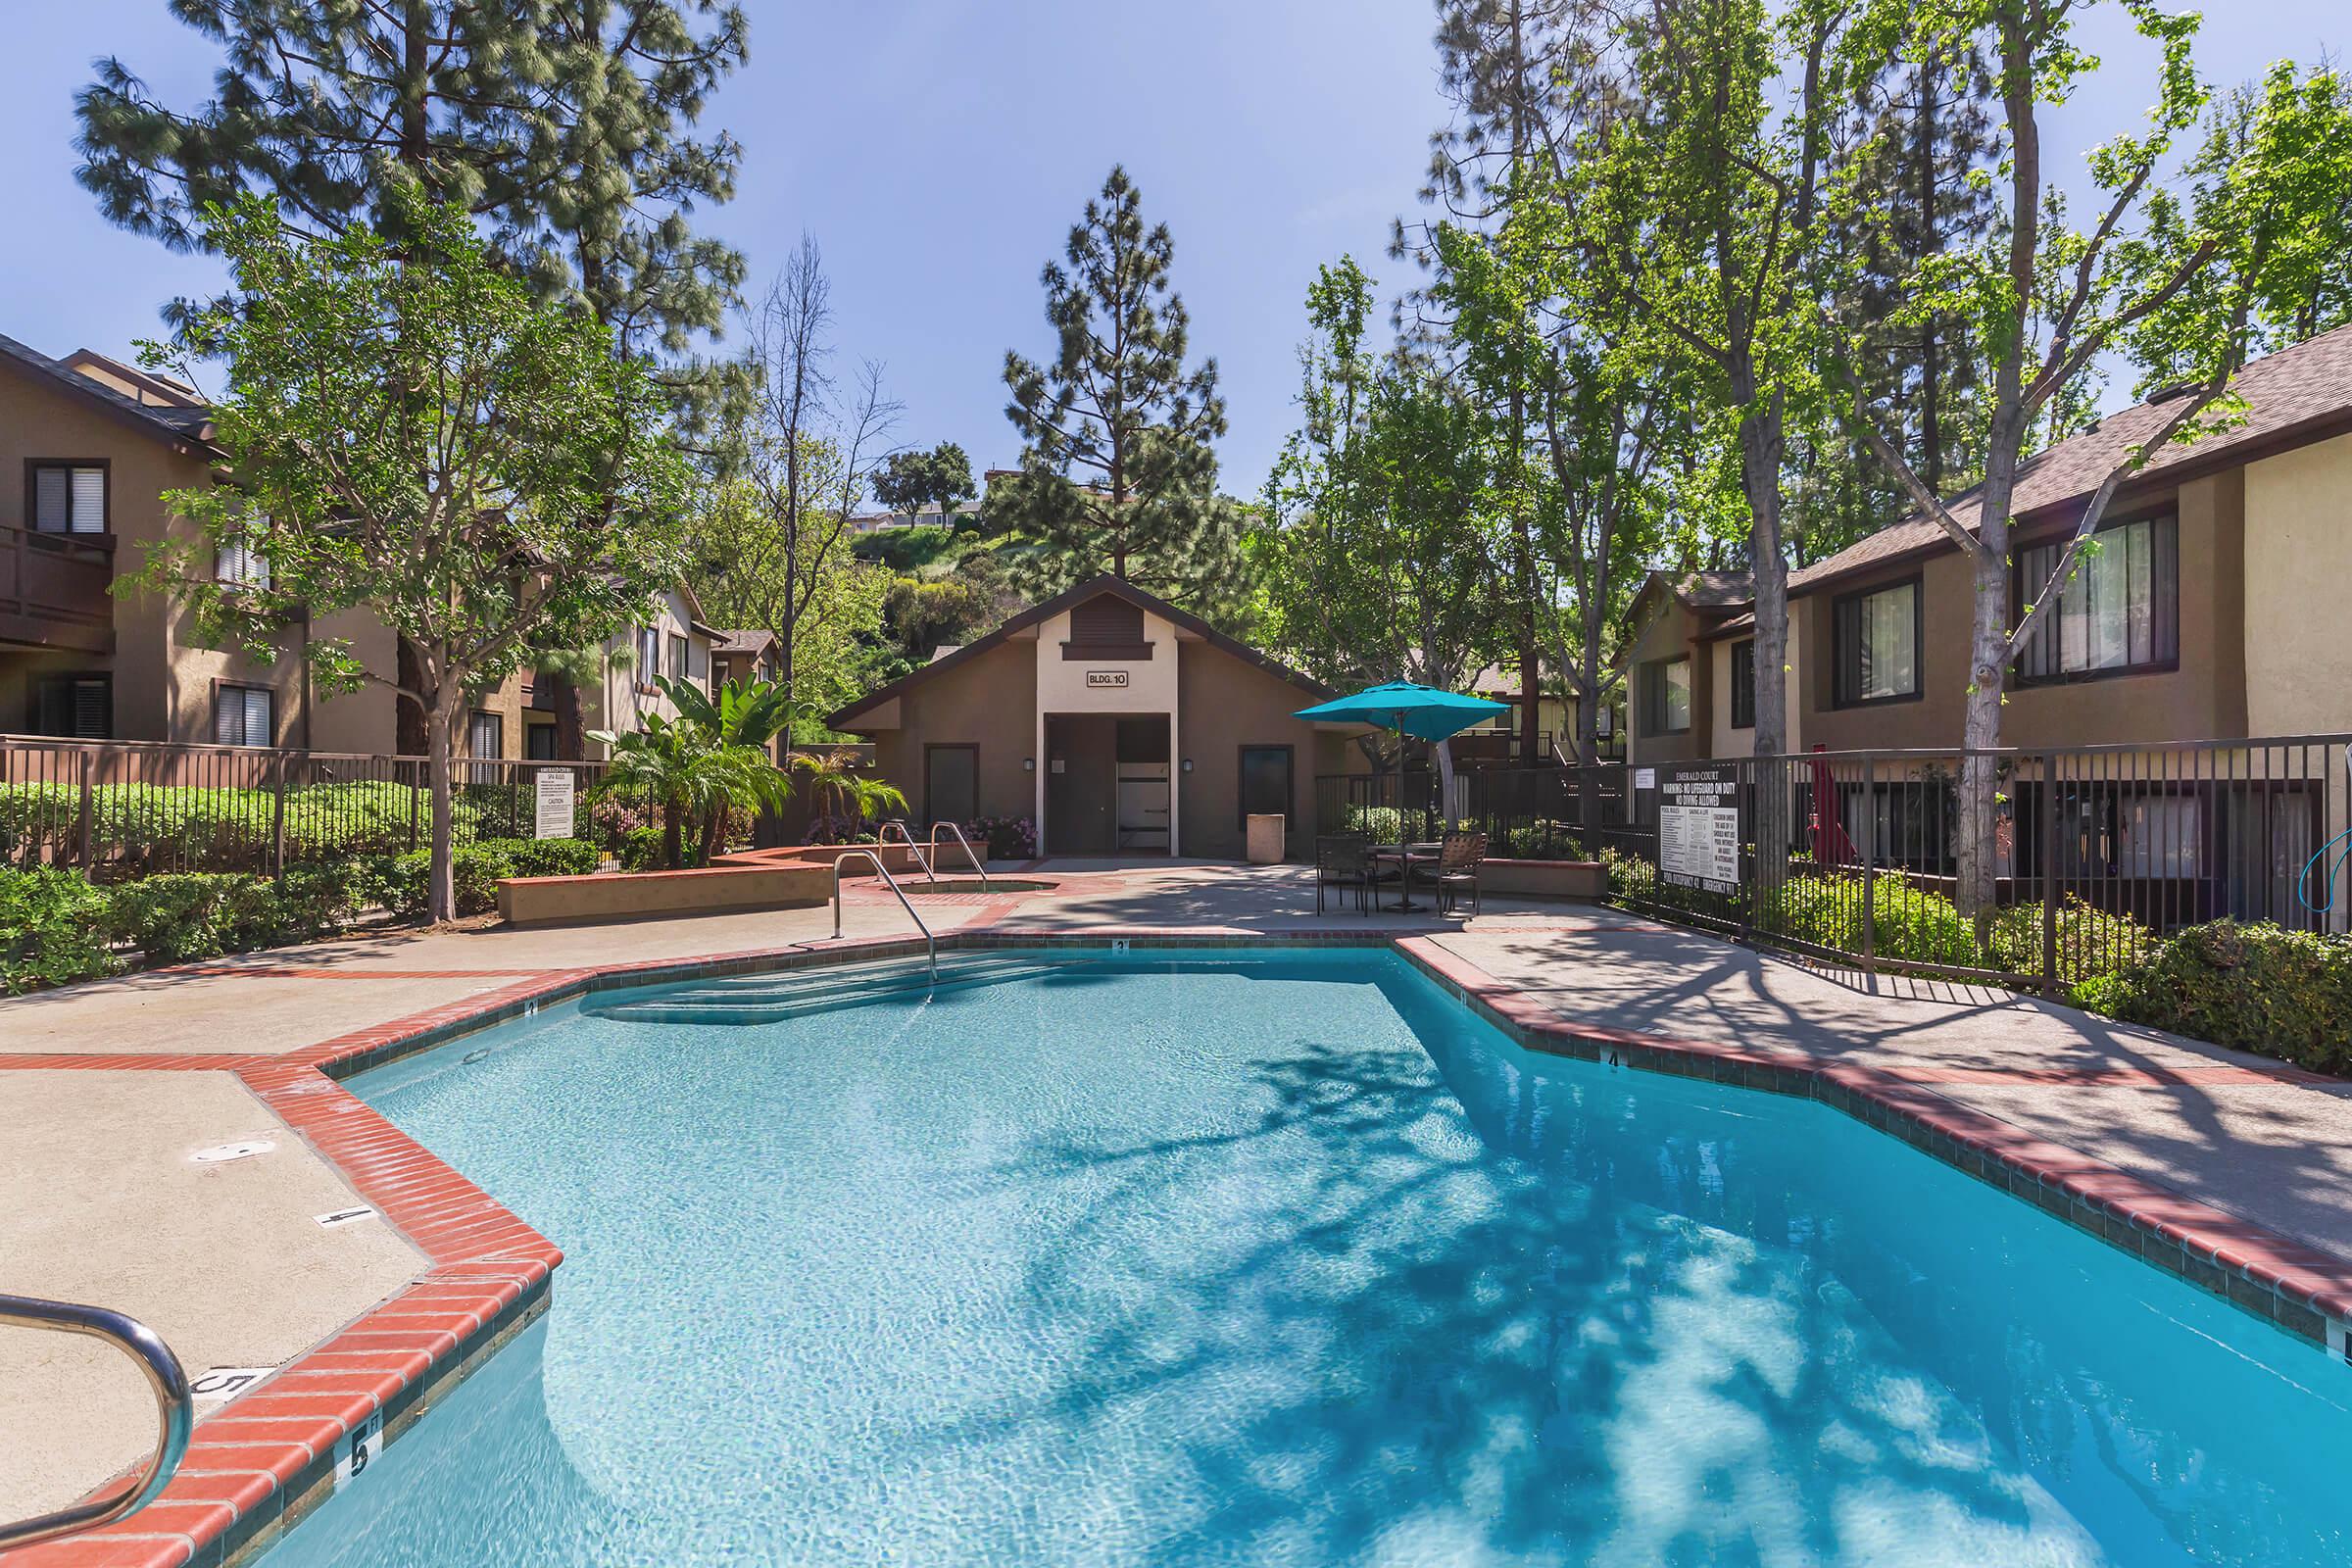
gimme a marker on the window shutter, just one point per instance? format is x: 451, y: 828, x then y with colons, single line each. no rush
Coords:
x: 89, y: 501
x: 90, y: 705
x: 259, y: 726
x: 228, y: 719
x: 52, y: 504
x: 1107, y: 618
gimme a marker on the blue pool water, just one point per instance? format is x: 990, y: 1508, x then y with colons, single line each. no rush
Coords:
x: 1287, y: 1259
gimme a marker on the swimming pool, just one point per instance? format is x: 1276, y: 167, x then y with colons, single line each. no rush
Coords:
x: 1282, y: 1258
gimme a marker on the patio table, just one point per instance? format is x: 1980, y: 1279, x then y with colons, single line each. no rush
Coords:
x: 1404, y: 857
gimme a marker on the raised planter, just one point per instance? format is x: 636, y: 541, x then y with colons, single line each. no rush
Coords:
x: 1545, y: 879
x: 631, y: 895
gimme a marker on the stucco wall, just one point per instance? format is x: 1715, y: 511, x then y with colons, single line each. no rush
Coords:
x: 163, y: 681
x: 1668, y: 636
x: 1722, y: 739
x: 2298, y: 582
x: 990, y: 702
x: 1225, y: 703
x: 2204, y: 697
x: 623, y: 697
x: 365, y: 720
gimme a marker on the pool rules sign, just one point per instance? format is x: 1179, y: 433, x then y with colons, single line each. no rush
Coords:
x: 554, y: 803
x: 1698, y: 826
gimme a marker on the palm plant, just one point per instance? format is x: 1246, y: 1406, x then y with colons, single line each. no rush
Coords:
x: 738, y: 714
x: 689, y: 775
x: 839, y: 790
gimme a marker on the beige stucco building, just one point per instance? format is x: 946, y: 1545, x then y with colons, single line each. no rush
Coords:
x: 1117, y: 722
x: 2213, y: 611
x: 96, y: 445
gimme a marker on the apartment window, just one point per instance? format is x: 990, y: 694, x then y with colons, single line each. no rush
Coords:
x: 241, y: 565
x: 485, y: 735
x: 2120, y: 611
x: 1877, y: 645
x: 539, y: 741
x: 1744, y: 685
x: 68, y: 498
x: 244, y: 715
x: 1666, y: 696
x: 677, y: 657
x: 649, y: 654
x: 77, y: 707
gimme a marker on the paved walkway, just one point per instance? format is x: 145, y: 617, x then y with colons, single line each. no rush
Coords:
x: 101, y: 1200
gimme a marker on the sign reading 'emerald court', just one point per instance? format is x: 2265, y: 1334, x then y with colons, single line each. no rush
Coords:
x: 1698, y: 826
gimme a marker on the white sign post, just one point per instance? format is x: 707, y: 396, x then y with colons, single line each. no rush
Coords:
x: 555, y: 802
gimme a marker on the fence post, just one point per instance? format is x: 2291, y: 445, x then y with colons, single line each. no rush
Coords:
x: 2049, y: 873
x: 413, y: 769
x: 277, y: 820
x: 88, y: 820
x: 1870, y: 858
x: 1754, y: 769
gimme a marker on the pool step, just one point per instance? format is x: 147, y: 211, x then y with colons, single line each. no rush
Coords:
x: 774, y: 997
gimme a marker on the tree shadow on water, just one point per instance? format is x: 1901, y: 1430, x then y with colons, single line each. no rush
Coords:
x: 1413, y: 1309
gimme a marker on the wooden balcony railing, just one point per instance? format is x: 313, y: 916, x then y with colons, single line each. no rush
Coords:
x: 53, y: 590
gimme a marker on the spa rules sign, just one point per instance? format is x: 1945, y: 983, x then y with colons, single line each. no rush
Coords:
x: 1698, y: 826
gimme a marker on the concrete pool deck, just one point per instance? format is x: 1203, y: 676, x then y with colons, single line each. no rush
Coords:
x: 99, y: 1201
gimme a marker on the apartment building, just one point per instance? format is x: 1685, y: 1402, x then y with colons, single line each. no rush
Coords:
x: 2213, y: 610
x: 97, y: 444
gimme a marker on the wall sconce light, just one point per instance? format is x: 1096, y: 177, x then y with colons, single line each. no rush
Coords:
x: 1028, y: 764
x: 1188, y: 765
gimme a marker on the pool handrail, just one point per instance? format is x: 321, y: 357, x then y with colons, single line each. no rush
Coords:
x: 883, y: 871
x: 882, y: 836
x: 967, y: 850
x: 175, y: 1408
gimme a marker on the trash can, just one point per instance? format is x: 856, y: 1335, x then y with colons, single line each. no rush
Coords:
x: 1264, y: 838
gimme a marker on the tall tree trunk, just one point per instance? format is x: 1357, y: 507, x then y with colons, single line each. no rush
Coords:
x: 1930, y: 374
x: 1760, y: 452
x: 572, y: 729
x: 440, y: 727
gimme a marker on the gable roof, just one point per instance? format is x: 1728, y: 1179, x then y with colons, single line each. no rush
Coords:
x: 743, y: 640
x: 181, y: 425
x: 1184, y: 620
x: 2297, y: 395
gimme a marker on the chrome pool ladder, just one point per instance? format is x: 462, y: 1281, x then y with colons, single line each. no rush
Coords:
x: 906, y: 836
x: 967, y: 850
x: 175, y: 1410
x: 883, y: 871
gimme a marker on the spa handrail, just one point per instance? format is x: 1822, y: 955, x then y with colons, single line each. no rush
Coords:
x: 917, y: 850
x: 967, y: 850
x: 883, y: 871
x: 175, y: 1409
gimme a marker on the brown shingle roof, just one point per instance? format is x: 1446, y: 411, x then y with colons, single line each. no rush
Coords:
x: 2296, y: 386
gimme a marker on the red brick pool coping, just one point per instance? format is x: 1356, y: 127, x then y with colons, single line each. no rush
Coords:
x: 265, y: 1459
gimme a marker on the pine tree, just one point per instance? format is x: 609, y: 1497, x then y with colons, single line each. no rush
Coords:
x: 1919, y: 132
x: 1117, y: 470
x: 565, y: 125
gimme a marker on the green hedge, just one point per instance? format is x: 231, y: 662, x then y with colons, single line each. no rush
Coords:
x: 52, y: 930
x: 2260, y: 988
x: 139, y: 827
x: 56, y: 927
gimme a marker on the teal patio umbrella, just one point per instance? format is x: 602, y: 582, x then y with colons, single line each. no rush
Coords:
x: 1421, y: 712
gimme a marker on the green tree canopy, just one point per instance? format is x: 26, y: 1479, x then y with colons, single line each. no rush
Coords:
x: 564, y: 126
x: 1117, y: 470
x: 941, y: 477
x: 411, y: 433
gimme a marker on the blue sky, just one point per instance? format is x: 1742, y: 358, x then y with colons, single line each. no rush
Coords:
x: 939, y: 151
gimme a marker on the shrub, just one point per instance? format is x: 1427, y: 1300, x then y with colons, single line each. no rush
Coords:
x: 179, y: 916
x: 641, y: 851
x: 546, y: 857
x: 1003, y: 838
x: 2259, y: 988
x: 1381, y: 823
x: 474, y: 870
x: 2090, y: 943
x: 52, y: 930
x: 1538, y: 840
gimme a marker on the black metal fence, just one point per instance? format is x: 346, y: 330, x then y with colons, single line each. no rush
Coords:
x: 1851, y: 856
x: 120, y: 809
